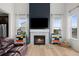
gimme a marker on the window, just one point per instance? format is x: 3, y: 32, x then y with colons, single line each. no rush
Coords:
x: 57, y: 25
x: 74, y: 26
x: 21, y: 26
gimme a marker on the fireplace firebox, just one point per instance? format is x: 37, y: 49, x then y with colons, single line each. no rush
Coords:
x: 39, y: 40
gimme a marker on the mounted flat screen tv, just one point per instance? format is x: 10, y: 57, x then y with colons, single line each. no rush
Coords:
x: 38, y: 23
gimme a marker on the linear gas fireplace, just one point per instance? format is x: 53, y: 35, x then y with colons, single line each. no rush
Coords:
x: 39, y: 40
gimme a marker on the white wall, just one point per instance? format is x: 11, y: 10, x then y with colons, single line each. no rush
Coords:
x: 56, y: 8
x: 73, y: 42
x: 21, y: 8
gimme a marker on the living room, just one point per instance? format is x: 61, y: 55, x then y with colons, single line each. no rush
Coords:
x: 39, y: 27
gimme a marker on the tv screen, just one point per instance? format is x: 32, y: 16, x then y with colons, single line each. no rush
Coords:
x: 39, y: 23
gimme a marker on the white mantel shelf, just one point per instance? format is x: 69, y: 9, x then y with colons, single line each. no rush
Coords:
x: 39, y: 30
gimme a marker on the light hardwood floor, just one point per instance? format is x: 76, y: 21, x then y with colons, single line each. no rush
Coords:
x: 50, y: 50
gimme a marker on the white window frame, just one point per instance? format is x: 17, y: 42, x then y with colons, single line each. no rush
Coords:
x: 71, y: 26
x: 74, y: 13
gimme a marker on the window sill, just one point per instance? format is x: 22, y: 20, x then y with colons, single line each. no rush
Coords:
x: 74, y: 39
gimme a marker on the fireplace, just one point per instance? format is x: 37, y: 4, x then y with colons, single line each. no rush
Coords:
x: 39, y: 23
x: 35, y: 34
x: 39, y: 40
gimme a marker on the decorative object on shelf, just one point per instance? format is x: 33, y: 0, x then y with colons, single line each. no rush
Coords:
x: 57, y: 31
x: 21, y: 35
x: 56, y: 38
x: 19, y: 38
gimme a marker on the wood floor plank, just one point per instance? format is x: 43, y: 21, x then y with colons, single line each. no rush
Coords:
x: 50, y: 50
